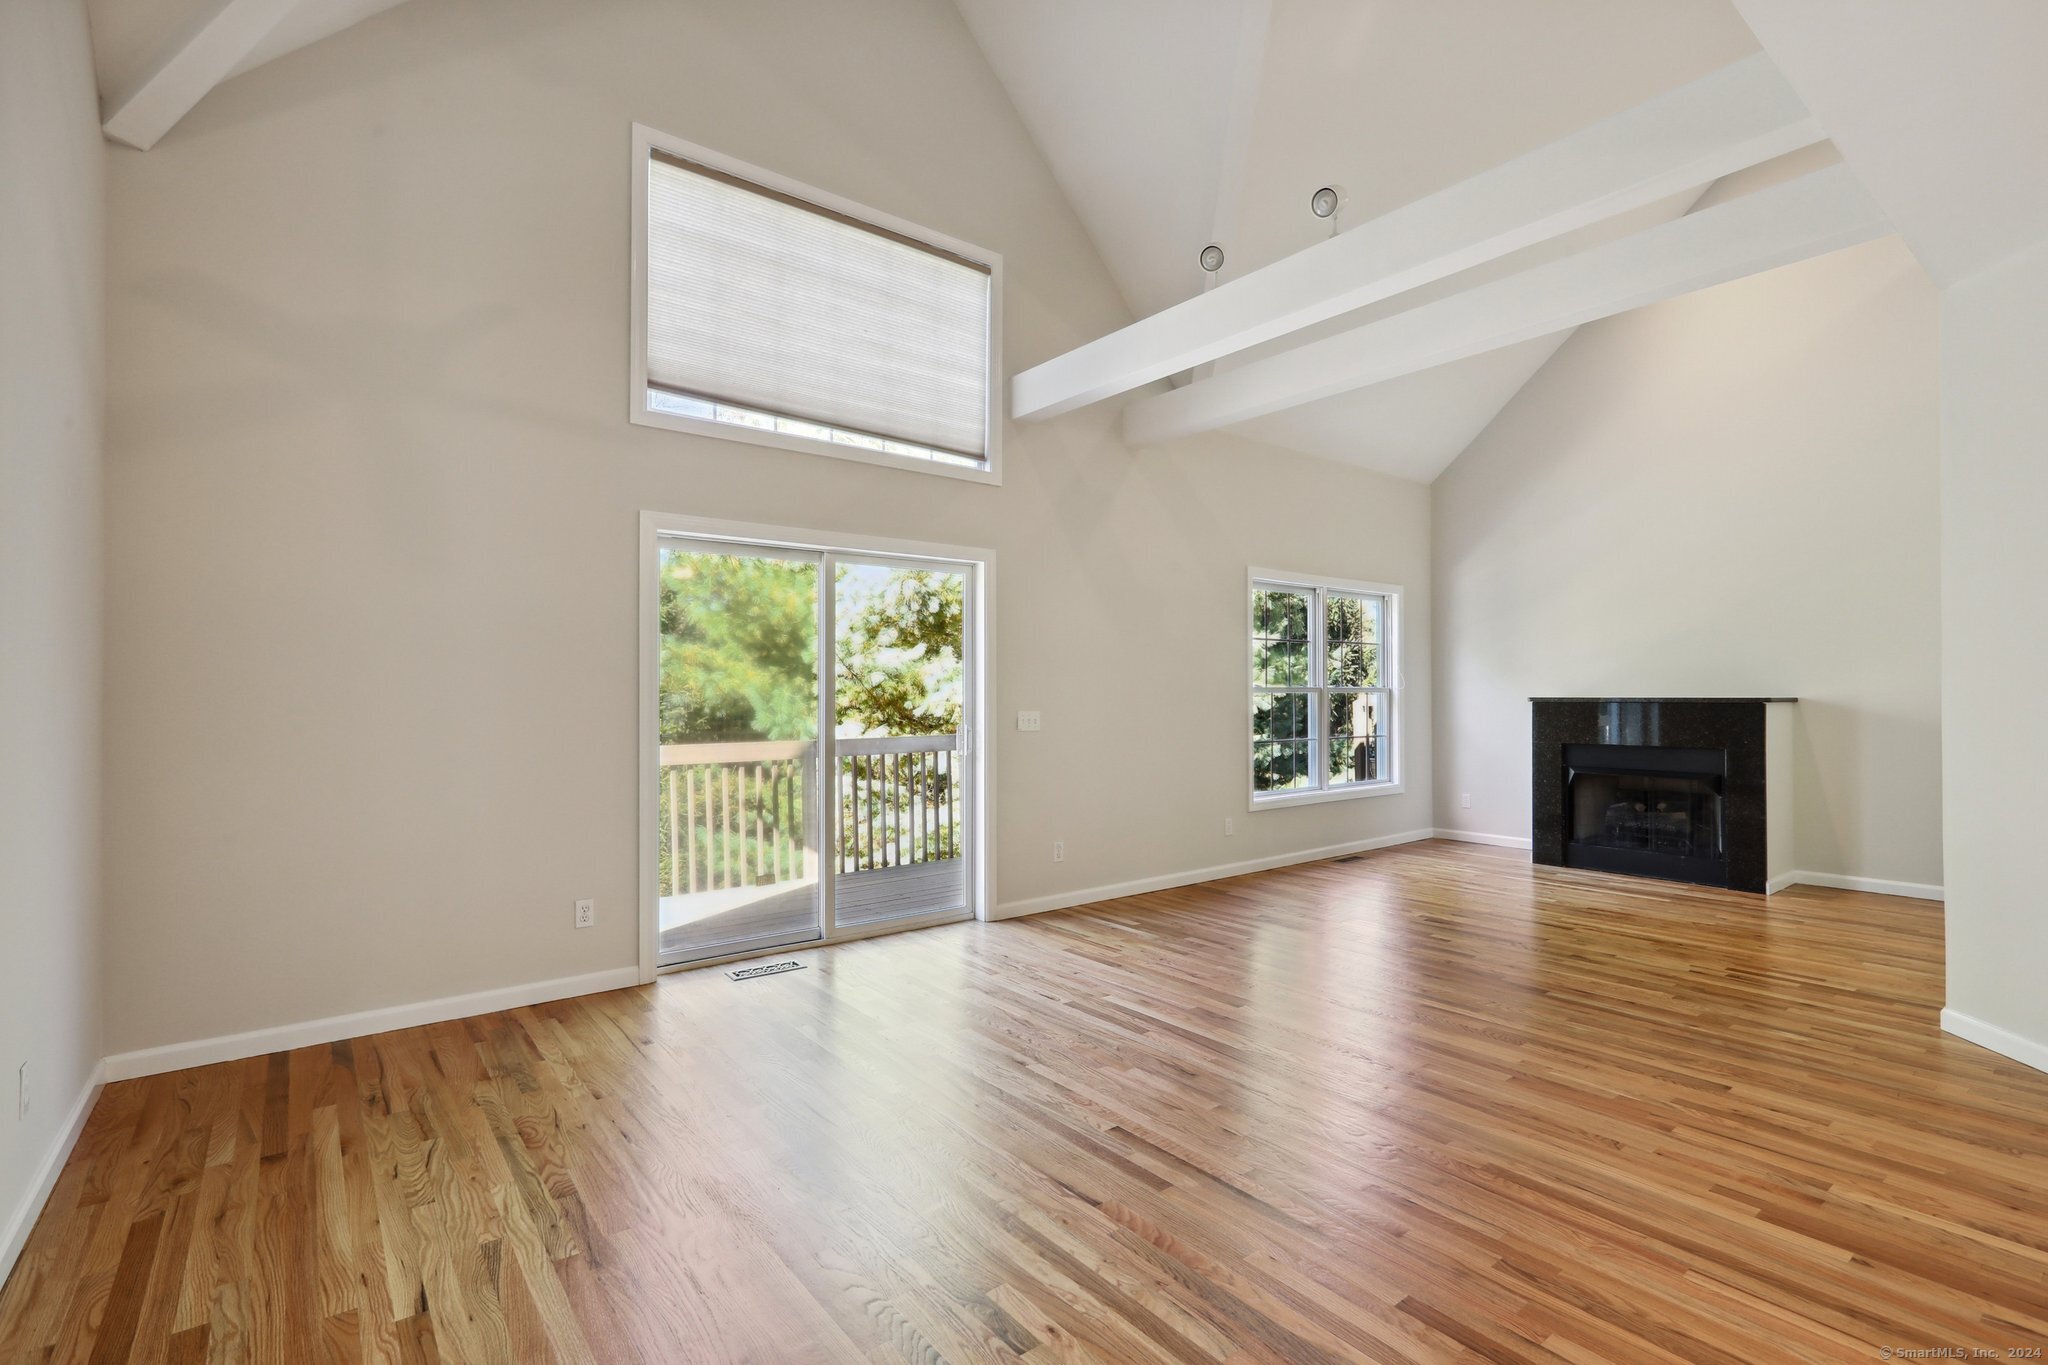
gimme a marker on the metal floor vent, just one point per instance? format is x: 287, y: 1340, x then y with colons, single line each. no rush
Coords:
x: 765, y: 969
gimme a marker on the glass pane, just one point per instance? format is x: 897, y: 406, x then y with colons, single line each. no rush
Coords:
x: 1357, y: 738
x: 1340, y: 619
x: 1355, y: 713
x: 711, y: 410
x: 898, y: 654
x: 1351, y: 618
x: 1280, y: 638
x: 1357, y: 758
x: 899, y: 660
x: 1352, y: 624
x: 1280, y: 663
x: 1281, y: 715
x: 1280, y: 765
x: 1354, y: 665
x: 738, y: 699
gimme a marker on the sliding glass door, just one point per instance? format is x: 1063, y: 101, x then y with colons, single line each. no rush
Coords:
x: 901, y: 722
x: 807, y: 794
x: 739, y: 719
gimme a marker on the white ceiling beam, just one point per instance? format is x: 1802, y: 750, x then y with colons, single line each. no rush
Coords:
x: 198, y: 60
x: 1820, y: 212
x: 1735, y: 118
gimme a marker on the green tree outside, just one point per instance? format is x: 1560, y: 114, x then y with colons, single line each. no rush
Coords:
x: 739, y: 664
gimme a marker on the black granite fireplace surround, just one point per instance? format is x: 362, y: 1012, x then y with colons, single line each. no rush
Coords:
x: 1669, y: 787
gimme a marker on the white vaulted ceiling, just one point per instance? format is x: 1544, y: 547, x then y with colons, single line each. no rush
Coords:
x: 1131, y: 102
x: 1937, y: 107
x: 1168, y: 124
x: 1173, y: 123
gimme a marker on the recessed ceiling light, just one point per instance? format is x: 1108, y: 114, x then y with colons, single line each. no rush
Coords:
x: 1212, y: 258
x: 1325, y: 202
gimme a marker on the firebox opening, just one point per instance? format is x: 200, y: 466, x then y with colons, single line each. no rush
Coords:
x: 1647, y: 809
x: 1658, y: 812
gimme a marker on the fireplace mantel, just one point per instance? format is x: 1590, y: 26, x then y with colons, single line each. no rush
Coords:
x: 1689, y: 701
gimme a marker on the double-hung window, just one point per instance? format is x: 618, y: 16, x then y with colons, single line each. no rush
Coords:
x: 1323, y: 688
x: 773, y: 313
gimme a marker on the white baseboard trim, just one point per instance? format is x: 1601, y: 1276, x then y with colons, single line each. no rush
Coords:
x: 22, y: 1219
x: 2002, y: 1041
x: 1467, y: 836
x: 1066, y: 900
x: 1839, y: 881
x: 235, y: 1046
x: 1920, y: 891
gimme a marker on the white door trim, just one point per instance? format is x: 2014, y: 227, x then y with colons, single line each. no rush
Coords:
x: 980, y: 626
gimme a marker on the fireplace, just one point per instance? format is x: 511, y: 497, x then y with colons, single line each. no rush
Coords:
x: 1651, y: 811
x: 1686, y: 789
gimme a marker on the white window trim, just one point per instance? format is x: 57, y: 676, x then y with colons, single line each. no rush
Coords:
x: 1390, y: 671
x: 646, y: 141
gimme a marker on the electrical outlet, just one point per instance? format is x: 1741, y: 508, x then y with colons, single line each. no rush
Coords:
x: 1465, y: 800
x: 586, y: 914
x: 21, y: 1095
x: 1027, y: 720
x: 1229, y: 824
x: 1059, y: 850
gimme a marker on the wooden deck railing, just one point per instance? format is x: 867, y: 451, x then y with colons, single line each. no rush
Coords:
x: 734, y: 814
x: 899, y: 802
x: 737, y: 814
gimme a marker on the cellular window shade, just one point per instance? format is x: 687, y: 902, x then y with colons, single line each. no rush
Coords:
x: 762, y: 301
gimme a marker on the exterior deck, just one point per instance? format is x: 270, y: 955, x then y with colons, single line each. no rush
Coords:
x: 706, y: 921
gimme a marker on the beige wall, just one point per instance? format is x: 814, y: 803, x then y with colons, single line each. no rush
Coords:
x: 50, y: 367
x: 1730, y: 494
x: 1994, y: 487
x: 373, y: 504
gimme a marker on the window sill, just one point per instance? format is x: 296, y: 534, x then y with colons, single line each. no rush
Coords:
x: 1275, y: 800
x: 782, y: 440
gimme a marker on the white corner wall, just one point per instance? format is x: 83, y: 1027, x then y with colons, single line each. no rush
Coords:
x: 50, y: 394
x: 1730, y: 494
x: 373, y: 507
x: 1994, y: 490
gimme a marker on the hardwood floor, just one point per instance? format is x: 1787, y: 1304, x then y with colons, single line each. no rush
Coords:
x: 1430, y: 1104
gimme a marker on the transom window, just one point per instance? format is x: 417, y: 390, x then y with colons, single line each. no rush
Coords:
x: 1323, y: 688
x: 769, y: 312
